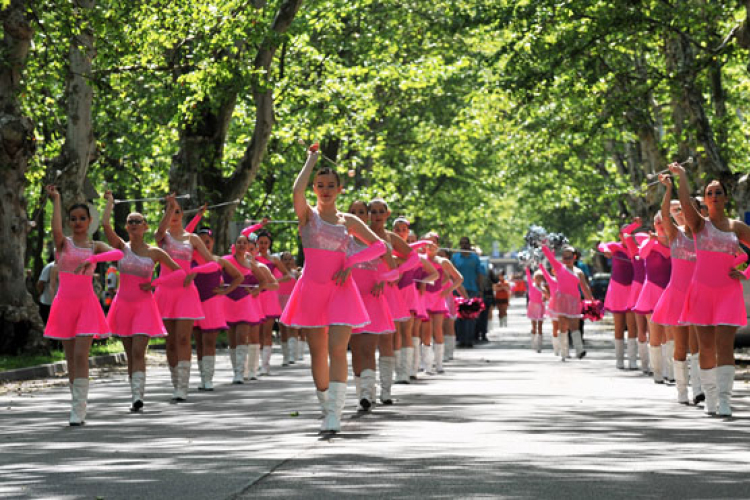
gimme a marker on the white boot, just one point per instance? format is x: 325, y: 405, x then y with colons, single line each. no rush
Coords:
x: 253, y: 357
x: 398, y: 354
x: 708, y: 381
x: 285, y: 353
x: 416, y: 342
x: 265, y: 368
x: 358, y: 387
x: 695, y: 379
x: 620, y: 354
x: 301, y: 350
x: 577, y: 343
x: 724, y: 383
x: 322, y: 398
x: 564, y: 345
x: 669, y: 360
x: 183, y: 381
x: 367, y: 389
x: 656, y: 363
x: 439, y: 350
x: 209, y: 364
x: 681, y: 379
x: 556, y: 346
x: 643, y: 354
x: 232, y: 358
x: 240, y: 355
x: 407, y: 357
x: 201, y: 386
x: 426, y: 356
x: 292, y: 350
x: 334, y: 406
x: 533, y: 341
x: 137, y: 389
x: 632, y: 354
x: 450, y: 347
x: 79, y: 392
x: 173, y: 375
x: 386, y: 365
x: 539, y: 342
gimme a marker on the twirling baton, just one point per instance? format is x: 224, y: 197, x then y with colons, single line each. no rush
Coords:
x: 196, y: 210
x: 182, y: 196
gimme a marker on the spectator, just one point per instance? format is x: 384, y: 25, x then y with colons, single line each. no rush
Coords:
x: 46, y: 286
x: 502, y: 298
x: 468, y: 264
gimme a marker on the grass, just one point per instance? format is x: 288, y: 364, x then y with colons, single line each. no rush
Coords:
x: 98, y: 348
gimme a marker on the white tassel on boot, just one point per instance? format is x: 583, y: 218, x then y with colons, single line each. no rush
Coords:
x: 240, y: 354
x: 556, y: 345
x: 334, y: 407
x: 695, y: 379
x: 427, y: 359
x: 417, y: 342
x: 183, y: 381
x: 669, y: 360
x: 632, y: 353
x: 285, y: 353
x: 137, y: 390
x: 439, y: 350
x: 643, y: 354
x: 253, y: 360
x: 201, y: 387
x: 656, y: 363
x: 367, y: 388
x: 620, y: 354
x: 79, y: 393
x: 577, y: 343
x: 708, y: 381
x: 292, y: 350
x: 207, y: 375
x: 724, y: 384
x: 386, y: 366
x: 564, y: 346
x: 681, y: 380
x: 265, y: 368
x: 450, y: 347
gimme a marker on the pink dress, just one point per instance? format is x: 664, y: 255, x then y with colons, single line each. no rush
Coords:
x: 393, y: 296
x: 567, y: 296
x: 316, y: 300
x: 270, y: 298
x: 285, y: 291
x: 535, y: 308
x: 134, y: 311
x: 183, y: 302
x: 239, y: 305
x: 366, y: 275
x: 212, y: 304
x: 552, y: 282
x: 714, y: 298
x: 435, y: 303
x: 410, y: 293
x: 639, y: 270
x: 75, y: 312
x: 658, y: 269
x: 618, y: 292
x: 672, y: 301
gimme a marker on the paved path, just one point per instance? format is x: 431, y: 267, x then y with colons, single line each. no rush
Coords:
x: 503, y: 422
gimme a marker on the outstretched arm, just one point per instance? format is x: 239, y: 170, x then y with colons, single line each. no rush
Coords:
x: 669, y: 226
x: 114, y: 240
x: 694, y: 220
x: 57, y: 227
x: 301, y: 207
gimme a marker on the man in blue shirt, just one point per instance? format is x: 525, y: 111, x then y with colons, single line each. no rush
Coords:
x: 468, y: 264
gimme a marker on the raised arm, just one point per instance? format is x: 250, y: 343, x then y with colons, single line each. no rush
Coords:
x: 669, y: 226
x: 57, y: 227
x: 693, y: 219
x: 171, y: 206
x: 301, y: 207
x: 199, y: 247
x: 190, y: 228
x: 114, y: 240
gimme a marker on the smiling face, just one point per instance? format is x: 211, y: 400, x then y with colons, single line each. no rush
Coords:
x: 715, y: 197
x: 79, y: 220
x: 241, y: 246
x: 136, y: 225
x: 326, y: 188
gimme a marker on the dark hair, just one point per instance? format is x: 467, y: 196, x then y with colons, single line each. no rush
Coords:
x: 262, y: 233
x: 205, y: 230
x: 329, y: 171
x: 377, y: 200
x: 367, y: 207
x: 723, y: 187
x: 80, y: 205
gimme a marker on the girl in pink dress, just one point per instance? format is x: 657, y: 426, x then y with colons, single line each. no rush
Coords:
x: 289, y: 335
x: 325, y: 301
x: 535, y: 309
x: 76, y: 317
x: 633, y: 241
x: 134, y: 316
x: 669, y: 308
x: 180, y: 307
x: 551, y: 312
x: 714, y: 301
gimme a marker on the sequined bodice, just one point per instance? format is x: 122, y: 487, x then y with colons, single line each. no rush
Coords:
x: 357, y: 246
x: 682, y: 247
x: 322, y: 235
x: 178, y: 250
x: 71, y: 256
x: 714, y: 240
x: 134, y: 264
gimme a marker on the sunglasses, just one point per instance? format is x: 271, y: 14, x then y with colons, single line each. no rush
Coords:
x: 135, y: 222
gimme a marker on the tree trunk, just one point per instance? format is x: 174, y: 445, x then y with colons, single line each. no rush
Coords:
x: 21, y: 326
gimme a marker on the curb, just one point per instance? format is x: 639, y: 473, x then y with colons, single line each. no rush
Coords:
x: 59, y: 368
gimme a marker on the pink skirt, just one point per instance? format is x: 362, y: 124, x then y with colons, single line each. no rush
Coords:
x: 452, y: 313
x: 75, y: 311
x: 436, y: 303
x: 414, y: 302
x: 399, y: 311
x: 535, y: 311
x: 650, y: 295
x: 635, y: 292
x: 568, y: 306
x: 215, y: 319
x: 270, y: 303
x: 713, y: 297
x: 377, y: 308
x: 246, y: 310
x: 179, y: 302
x: 669, y: 308
x: 317, y: 302
x: 618, y: 298
x: 134, y: 311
